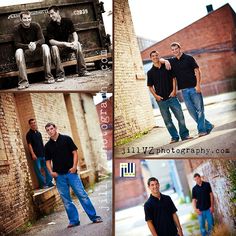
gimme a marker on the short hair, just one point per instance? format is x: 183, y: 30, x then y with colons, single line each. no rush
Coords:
x: 196, y: 175
x: 151, y: 179
x: 29, y: 121
x: 54, y: 8
x: 154, y: 51
x: 24, y: 13
x: 50, y: 124
x: 175, y: 44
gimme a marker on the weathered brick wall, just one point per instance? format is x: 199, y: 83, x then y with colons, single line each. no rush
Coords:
x: 212, y: 42
x: 129, y: 191
x: 133, y: 111
x: 218, y: 173
x: 15, y: 186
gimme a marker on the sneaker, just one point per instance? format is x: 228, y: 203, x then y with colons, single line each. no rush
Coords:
x: 73, y: 225
x: 84, y: 73
x: 60, y: 79
x: 187, y: 138
x: 50, y: 81
x: 209, y: 130
x: 202, y: 134
x: 174, y: 140
x: 98, y: 220
x: 23, y: 86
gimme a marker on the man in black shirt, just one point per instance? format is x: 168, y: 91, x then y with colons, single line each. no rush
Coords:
x: 188, y: 77
x: 58, y: 31
x: 36, y: 149
x: 160, y: 212
x: 29, y: 42
x: 203, y: 204
x: 61, y: 153
x: 163, y: 87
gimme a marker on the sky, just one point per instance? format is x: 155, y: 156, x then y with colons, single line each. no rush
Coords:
x: 156, y: 20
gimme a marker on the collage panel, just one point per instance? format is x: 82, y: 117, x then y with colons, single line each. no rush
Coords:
x: 55, y: 46
x: 188, y: 111
x: 51, y: 143
x: 174, y: 197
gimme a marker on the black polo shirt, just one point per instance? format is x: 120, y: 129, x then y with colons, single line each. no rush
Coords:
x: 35, y: 139
x: 202, y: 195
x: 161, y: 213
x: 60, y: 32
x: 183, y: 70
x: 162, y: 80
x: 60, y: 152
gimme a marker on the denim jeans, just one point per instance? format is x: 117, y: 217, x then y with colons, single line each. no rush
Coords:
x: 195, y: 106
x: 202, y: 218
x: 38, y: 164
x: 23, y: 56
x: 64, y: 182
x: 173, y: 105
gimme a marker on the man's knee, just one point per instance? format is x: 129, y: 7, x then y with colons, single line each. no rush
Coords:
x: 55, y: 49
x: 19, y: 55
x: 45, y: 49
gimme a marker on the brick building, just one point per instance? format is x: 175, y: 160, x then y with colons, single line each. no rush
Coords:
x: 133, y: 111
x: 75, y: 115
x: 221, y: 175
x: 212, y: 42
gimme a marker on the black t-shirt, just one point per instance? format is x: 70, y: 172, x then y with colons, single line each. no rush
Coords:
x: 62, y: 31
x: 23, y: 36
x: 160, y: 212
x: 162, y: 80
x: 35, y: 139
x: 60, y: 152
x: 183, y: 70
x: 202, y: 195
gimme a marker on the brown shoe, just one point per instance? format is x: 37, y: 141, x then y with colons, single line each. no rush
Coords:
x: 73, y: 225
x: 174, y: 140
x: 202, y: 134
x: 187, y: 138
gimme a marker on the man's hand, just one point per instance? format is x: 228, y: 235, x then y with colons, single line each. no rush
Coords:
x: 74, y: 46
x: 173, y: 94
x: 212, y: 209
x: 158, y: 98
x: 198, y: 89
x: 180, y: 232
x: 72, y: 170
x: 32, y: 46
x: 34, y: 157
x: 54, y: 174
x: 167, y: 65
x: 198, y: 211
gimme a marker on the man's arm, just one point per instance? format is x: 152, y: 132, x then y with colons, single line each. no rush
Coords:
x: 194, y: 203
x: 158, y: 98
x: 75, y: 162
x: 34, y: 157
x: 173, y: 93
x: 212, y: 202
x: 40, y: 38
x: 49, y: 166
x: 177, y: 223
x: 151, y: 228
x: 198, y: 78
x: 166, y: 62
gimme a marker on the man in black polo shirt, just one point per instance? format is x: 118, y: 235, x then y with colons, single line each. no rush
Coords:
x: 160, y: 212
x: 58, y: 31
x: 188, y: 77
x: 203, y: 204
x: 36, y: 149
x: 163, y: 87
x: 61, y: 153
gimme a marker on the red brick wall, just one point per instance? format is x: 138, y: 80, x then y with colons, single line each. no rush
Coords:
x: 129, y: 191
x: 212, y: 42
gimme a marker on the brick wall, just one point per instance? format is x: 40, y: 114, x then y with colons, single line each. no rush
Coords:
x: 15, y: 186
x: 217, y: 172
x: 212, y: 42
x: 129, y: 191
x: 133, y: 111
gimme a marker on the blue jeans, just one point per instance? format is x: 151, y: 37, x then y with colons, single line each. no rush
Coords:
x: 195, y: 106
x: 64, y: 182
x: 202, y: 218
x: 38, y: 164
x: 173, y: 105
